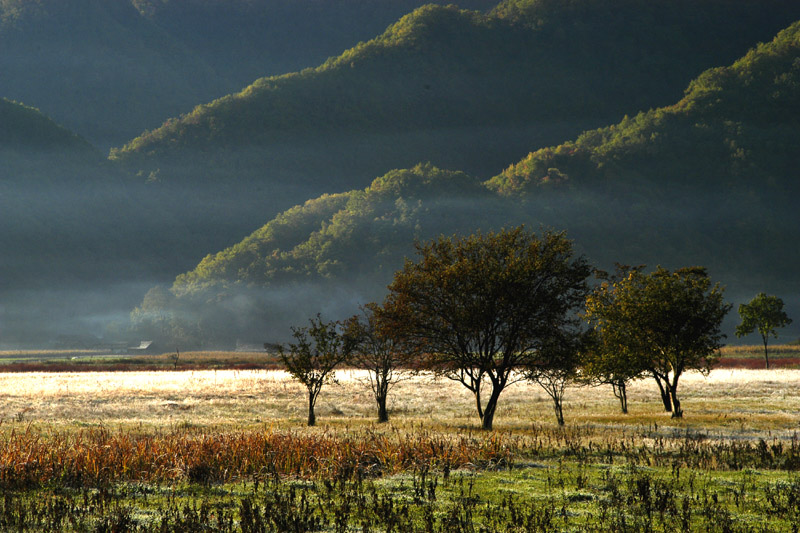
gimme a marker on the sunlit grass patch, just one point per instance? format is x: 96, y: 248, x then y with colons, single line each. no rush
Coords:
x: 222, y: 447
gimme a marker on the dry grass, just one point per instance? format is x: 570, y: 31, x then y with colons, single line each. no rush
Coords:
x: 729, y: 402
x: 94, y: 429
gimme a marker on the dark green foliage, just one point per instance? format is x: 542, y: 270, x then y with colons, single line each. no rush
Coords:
x: 97, y: 66
x: 25, y: 127
x: 666, y: 185
x: 442, y: 67
x: 247, y: 39
x: 341, y: 235
x: 721, y: 158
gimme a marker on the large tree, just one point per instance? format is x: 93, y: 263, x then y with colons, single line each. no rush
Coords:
x: 479, y: 308
x: 765, y: 314
x: 312, y: 359
x: 665, y: 322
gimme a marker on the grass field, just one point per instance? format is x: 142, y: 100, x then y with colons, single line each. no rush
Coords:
x: 227, y: 450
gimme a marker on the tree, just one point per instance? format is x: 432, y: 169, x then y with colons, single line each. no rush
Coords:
x: 478, y: 308
x: 382, y: 355
x: 320, y: 348
x: 556, y: 365
x: 765, y: 314
x: 664, y: 322
x: 608, y: 362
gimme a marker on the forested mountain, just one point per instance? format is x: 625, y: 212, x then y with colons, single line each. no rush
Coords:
x: 77, y: 236
x: 243, y: 40
x: 84, y: 237
x: 23, y: 126
x: 97, y: 66
x: 709, y: 180
x: 109, y: 69
x: 81, y: 240
x: 442, y: 67
x: 460, y: 89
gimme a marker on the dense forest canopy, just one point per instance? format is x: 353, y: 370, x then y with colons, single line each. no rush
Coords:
x: 109, y: 69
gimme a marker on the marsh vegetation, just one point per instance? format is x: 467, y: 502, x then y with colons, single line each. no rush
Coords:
x: 228, y: 450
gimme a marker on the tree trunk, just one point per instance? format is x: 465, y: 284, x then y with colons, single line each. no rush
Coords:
x: 477, y: 391
x: 665, y: 396
x: 383, y: 414
x: 621, y: 392
x: 766, y: 353
x: 558, y: 409
x: 312, y: 419
x: 677, y: 412
x: 491, y: 406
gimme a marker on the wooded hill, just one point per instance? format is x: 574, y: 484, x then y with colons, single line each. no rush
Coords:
x: 442, y: 67
x: 710, y: 180
x: 460, y: 89
x: 25, y: 127
x: 109, y: 69
x: 464, y: 90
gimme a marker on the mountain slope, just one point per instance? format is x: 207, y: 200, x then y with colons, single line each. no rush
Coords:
x: 457, y: 88
x: 98, y: 66
x: 243, y: 40
x: 22, y: 126
x: 710, y: 180
x: 441, y: 67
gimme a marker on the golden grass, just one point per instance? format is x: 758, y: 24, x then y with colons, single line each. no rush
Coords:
x: 103, y: 427
x: 731, y: 402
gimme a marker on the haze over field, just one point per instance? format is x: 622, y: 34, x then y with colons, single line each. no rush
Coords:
x: 252, y: 183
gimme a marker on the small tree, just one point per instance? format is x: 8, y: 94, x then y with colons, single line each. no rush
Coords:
x: 320, y: 348
x: 481, y: 307
x: 765, y: 314
x: 383, y: 356
x: 556, y: 366
x: 609, y: 362
x: 664, y: 322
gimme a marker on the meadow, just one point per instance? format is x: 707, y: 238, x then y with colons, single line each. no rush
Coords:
x: 227, y: 450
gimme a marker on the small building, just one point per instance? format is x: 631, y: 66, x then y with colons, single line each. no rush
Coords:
x: 145, y: 347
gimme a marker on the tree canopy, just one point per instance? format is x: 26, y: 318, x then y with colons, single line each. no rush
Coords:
x: 482, y: 306
x: 318, y: 349
x: 663, y: 322
x: 765, y: 314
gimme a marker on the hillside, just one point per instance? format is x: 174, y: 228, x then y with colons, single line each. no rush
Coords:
x: 460, y: 89
x: 98, y: 67
x: 77, y: 238
x: 109, y: 69
x: 22, y: 126
x: 708, y: 180
x: 243, y: 40
x: 442, y: 67
x: 721, y: 164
